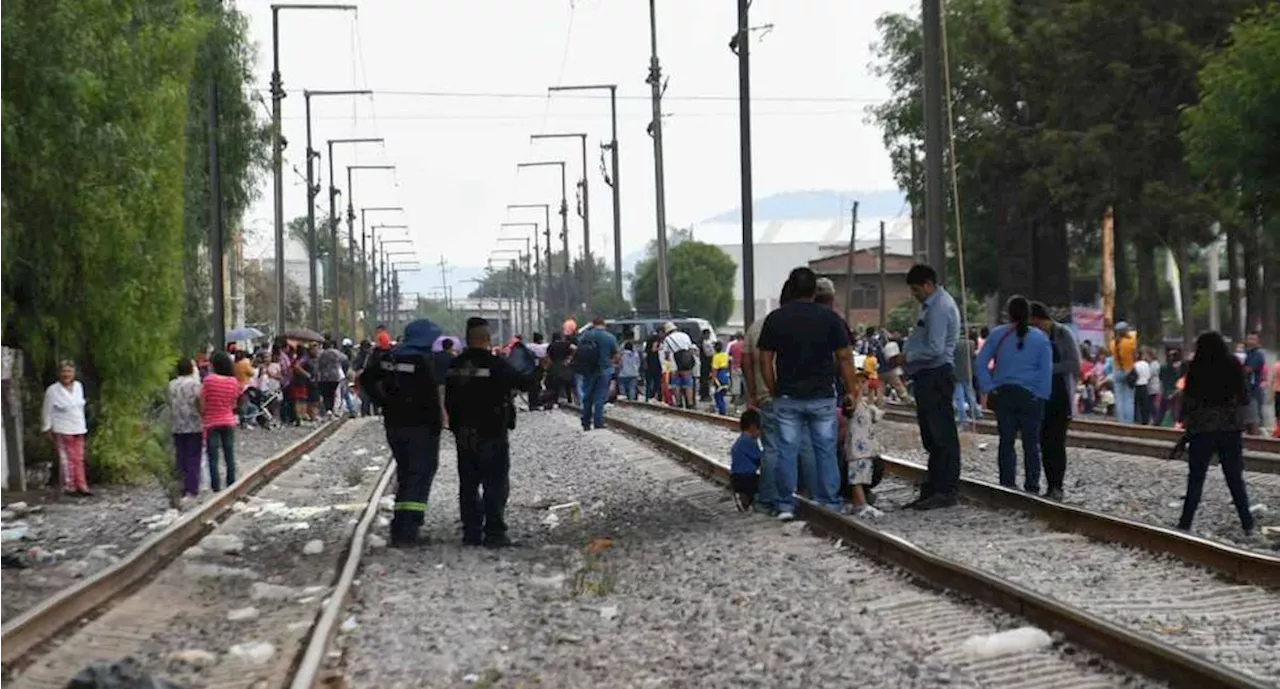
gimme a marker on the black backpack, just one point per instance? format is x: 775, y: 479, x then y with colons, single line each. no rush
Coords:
x: 684, y: 360
x: 586, y: 360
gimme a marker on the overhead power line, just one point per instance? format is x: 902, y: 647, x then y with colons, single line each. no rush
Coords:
x: 497, y: 95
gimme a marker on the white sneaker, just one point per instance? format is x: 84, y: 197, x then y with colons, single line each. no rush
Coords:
x: 786, y: 516
x: 868, y: 512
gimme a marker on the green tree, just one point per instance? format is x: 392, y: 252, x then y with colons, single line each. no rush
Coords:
x: 701, y: 281
x: 227, y: 56
x: 1232, y: 141
x: 1062, y: 108
x: 450, y: 321
x: 94, y: 124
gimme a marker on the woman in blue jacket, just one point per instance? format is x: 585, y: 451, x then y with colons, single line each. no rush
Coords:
x: 1017, y: 389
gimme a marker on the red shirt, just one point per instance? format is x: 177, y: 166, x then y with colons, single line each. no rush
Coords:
x: 220, y: 394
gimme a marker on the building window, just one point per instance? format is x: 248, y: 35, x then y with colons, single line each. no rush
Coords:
x: 866, y: 296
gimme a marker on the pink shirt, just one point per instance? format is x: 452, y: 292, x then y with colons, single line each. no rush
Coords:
x: 735, y: 354
x: 220, y: 394
x: 1275, y: 378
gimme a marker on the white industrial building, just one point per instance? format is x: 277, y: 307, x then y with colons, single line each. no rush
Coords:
x: 781, y: 245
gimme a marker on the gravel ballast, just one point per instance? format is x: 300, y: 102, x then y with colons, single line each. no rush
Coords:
x: 647, y: 577
x: 234, y: 609
x: 1144, y: 489
x: 1186, y: 606
x: 83, y: 535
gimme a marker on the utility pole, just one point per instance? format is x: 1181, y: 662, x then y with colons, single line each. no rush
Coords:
x: 333, y: 221
x: 613, y: 180
x: 741, y: 42
x: 935, y: 202
x: 659, y: 182
x: 218, y: 239
x: 588, y: 265
x: 546, y: 233
x: 883, y: 283
x: 277, y: 144
x: 366, y: 273
x: 351, y: 240
x: 313, y: 250
x: 444, y: 282
x: 853, y: 246
x: 536, y: 292
x: 564, y: 232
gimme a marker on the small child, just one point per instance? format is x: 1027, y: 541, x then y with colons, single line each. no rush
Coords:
x: 744, y: 466
x: 720, y: 379
x: 862, y: 451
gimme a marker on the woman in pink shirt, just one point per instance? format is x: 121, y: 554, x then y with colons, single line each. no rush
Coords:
x: 1275, y: 393
x: 219, y: 395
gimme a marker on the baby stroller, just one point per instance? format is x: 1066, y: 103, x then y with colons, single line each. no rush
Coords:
x: 255, y: 408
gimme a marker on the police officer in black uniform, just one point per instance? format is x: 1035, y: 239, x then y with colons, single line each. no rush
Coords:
x: 479, y: 393
x: 402, y: 382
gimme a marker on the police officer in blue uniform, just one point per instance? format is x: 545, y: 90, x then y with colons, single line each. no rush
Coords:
x: 479, y: 397
x: 403, y: 383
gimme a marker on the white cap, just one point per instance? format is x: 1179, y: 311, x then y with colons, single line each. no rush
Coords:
x: 346, y: 342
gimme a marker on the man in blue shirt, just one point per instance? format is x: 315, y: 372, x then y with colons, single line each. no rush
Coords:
x: 594, y: 360
x: 929, y: 359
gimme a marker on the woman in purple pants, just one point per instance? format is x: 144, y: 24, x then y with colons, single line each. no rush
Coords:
x: 188, y: 427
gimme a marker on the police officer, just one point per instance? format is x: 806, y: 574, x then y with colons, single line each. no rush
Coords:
x: 402, y: 382
x: 479, y: 393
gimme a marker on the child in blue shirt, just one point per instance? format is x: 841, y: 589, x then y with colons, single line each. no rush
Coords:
x: 744, y: 466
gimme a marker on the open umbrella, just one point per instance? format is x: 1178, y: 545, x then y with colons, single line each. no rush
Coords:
x: 438, y: 345
x: 242, y: 334
x: 304, y: 334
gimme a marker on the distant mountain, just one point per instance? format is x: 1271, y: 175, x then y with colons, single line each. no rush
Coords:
x: 801, y: 205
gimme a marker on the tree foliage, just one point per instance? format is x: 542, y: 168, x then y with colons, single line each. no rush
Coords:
x: 94, y: 125
x: 700, y: 277
x: 226, y: 56
x: 1061, y: 109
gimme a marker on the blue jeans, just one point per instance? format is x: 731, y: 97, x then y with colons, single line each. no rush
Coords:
x: 965, y: 399
x: 579, y: 387
x: 1019, y: 412
x: 1124, y: 398
x: 595, y: 391
x: 627, y: 386
x: 814, y: 419
x: 767, y: 495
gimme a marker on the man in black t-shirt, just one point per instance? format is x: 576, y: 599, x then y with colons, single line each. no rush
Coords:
x: 802, y: 344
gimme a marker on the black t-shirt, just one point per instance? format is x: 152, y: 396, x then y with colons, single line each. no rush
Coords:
x: 804, y: 338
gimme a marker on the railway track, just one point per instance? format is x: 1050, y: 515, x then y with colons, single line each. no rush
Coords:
x: 1167, y: 620
x: 268, y: 563
x: 1261, y: 454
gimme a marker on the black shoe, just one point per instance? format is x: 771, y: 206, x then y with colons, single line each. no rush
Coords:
x: 472, y: 539
x: 407, y: 541
x: 869, y: 495
x: 937, y: 502
x: 914, y: 504
x: 498, y: 541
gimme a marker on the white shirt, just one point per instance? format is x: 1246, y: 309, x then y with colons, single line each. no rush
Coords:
x: 1144, y: 372
x: 64, y: 410
x: 1154, y: 387
x: 675, y: 342
x: 891, y: 350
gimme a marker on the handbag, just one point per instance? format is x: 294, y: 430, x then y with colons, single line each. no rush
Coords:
x: 991, y: 396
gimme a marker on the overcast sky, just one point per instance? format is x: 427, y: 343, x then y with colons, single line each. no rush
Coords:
x: 460, y: 86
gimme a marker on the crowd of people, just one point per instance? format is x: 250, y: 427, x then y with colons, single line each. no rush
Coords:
x: 808, y: 390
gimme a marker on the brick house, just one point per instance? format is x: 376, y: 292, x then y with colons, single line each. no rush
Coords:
x: 865, y: 309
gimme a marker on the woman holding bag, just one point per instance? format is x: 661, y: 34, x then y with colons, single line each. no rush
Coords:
x: 1017, y: 386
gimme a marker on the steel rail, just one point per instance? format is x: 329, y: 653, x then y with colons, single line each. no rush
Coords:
x: 1144, y: 655
x: 22, y: 635
x: 308, y: 673
x: 1239, y: 564
x: 1261, y: 455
